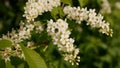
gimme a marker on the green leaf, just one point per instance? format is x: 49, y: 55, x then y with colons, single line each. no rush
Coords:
x: 33, y: 59
x: 106, y: 58
x: 9, y: 65
x: 57, y: 12
x: 2, y: 63
x: 69, y: 2
x: 99, y: 2
x: 54, y: 12
x: 21, y: 65
x: 83, y: 2
x: 61, y: 13
x: 5, y: 43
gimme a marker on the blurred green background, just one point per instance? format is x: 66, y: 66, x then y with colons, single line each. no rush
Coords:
x: 96, y: 50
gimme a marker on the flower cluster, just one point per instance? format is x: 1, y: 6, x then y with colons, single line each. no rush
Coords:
x: 6, y: 54
x: 117, y: 5
x: 105, y: 7
x: 23, y: 33
x: 92, y: 19
x: 12, y: 51
x: 60, y: 34
x: 17, y: 36
x: 30, y: 44
x: 34, y: 8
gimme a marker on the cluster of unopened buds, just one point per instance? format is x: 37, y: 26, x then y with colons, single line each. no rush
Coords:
x: 59, y: 30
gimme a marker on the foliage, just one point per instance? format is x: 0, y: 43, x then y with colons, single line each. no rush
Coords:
x: 5, y: 43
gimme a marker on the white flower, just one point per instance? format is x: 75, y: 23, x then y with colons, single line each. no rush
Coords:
x: 83, y: 14
x: 71, y: 41
x: 70, y: 58
x: 65, y: 34
x: 39, y: 29
x: 92, y: 12
x: 30, y: 44
x: 76, y: 51
x: 6, y: 54
x: 30, y: 26
x: 63, y: 40
x: 69, y: 47
x: 17, y: 51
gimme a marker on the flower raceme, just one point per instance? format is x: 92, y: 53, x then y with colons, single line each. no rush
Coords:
x: 60, y: 34
x: 92, y: 19
x: 17, y: 36
x: 34, y: 8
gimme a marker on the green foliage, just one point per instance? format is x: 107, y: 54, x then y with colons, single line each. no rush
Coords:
x: 57, y: 12
x: 33, y: 59
x: 5, y: 43
x: 9, y: 65
x: 69, y: 2
x: 83, y: 2
x: 2, y: 63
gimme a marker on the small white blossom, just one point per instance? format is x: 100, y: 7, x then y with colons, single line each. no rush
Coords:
x: 6, y: 54
x: 30, y: 45
x: 69, y: 47
x: 18, y: 51
x: 39, y: 29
